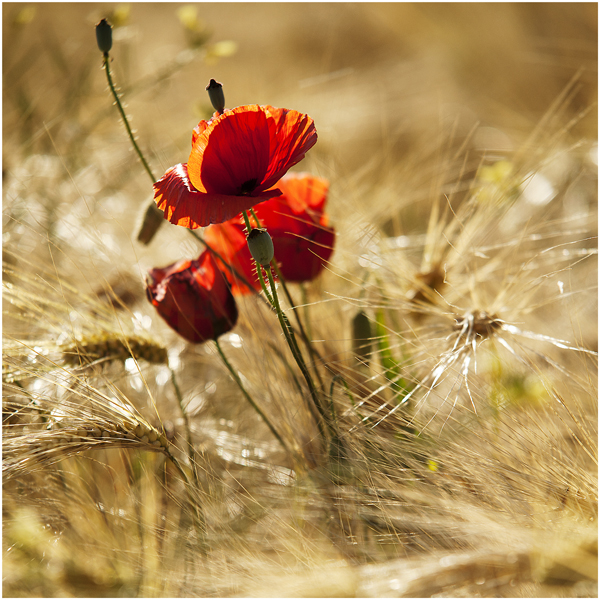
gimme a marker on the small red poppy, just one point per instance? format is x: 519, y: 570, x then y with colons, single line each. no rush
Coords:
x: 194, y: 298
x: 296, y: 221
x: 236, y: 158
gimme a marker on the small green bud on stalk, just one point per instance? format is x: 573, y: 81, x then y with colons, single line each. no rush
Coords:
x: 104, y: 36
x: 260, y: 245
x: 216, y: 95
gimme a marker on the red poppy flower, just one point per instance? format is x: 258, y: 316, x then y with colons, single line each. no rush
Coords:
x: 194, y: 298
x: 236, y: 158
x: 296, y: 221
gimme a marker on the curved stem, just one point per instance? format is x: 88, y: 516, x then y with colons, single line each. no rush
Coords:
x: 303, y: 334
x: 255, y: 406
x: 305, y: 338
x: 199, y: 518
x: 188, y: 431
x: 291, y: 340
x: 124, y: 117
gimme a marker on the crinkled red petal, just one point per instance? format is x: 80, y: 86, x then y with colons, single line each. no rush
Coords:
x: 229, y: 240
x: 248, y: 149
x: 304, y: 191
x: 185, y: 206
x: 292, y: 135
x: 231, y: 155
x: 201, y: 127
x: 194, y: 298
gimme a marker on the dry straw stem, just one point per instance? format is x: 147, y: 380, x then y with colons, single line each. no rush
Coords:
x: 43, y: 429
x: 97, y: 333
x: 481, y: 296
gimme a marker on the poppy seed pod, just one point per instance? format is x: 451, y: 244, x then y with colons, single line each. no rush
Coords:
x: 261, y: 247
x: 104, y: 36
x: 216, y: 95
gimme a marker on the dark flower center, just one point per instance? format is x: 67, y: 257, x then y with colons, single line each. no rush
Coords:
x: 248, y: 187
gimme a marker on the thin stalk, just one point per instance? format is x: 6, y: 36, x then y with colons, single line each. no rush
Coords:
x: 255, y: 406
x: 188, y: 431
x: 290, y: 370
x: 258, y: 267
x: 303, y: 335
x: 305, y: 303
x: 291, y: 302
x: 124, y: 117
x: 291, y: 340
x: 289, y: 334
x: 199, y: 519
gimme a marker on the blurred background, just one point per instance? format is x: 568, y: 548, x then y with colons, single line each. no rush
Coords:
x: 412, y: 103
x: 395, y: 91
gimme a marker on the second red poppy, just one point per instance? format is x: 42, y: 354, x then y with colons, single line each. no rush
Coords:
x: 298, y: 225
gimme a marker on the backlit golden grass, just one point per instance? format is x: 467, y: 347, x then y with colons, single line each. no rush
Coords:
x: 461, y: 145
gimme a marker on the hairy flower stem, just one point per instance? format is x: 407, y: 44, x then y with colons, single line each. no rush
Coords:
x: 153, y: 216
x: 124, y: 116
x: 188, y: 431
x: 288, y: 332
x: 258, y: 267
x: 291, y: 340
x: 305, y: 338
x: 255, y: 406
x: 305, y: 303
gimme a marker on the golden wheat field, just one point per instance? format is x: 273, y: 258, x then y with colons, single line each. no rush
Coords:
x: 418, y: 420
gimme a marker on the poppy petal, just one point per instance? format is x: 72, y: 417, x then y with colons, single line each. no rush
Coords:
x: 186, y: 206
x: 229, y: 240
x: 298, y: 227
x: 293, y: 134
x: 304, y: 191
x: 201, y: 127
x: 231, y: 152
x: 194, y: 298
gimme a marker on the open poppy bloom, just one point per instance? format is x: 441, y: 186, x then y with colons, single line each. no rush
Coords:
x: 298, y: 226
x: 194, y: 298
x: 236, y: 158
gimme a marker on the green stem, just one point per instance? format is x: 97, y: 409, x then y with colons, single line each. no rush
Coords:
x: 305, y: 303
x: 247, y: 222
x: 288, y: 332
x: 237, y: 379
x: 290, y: 300
x: 124, y: 117
x: 291, y: 340
x: 305, y: 338
x: 258, y: 267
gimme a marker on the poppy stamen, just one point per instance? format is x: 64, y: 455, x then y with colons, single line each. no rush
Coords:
x: 248, y: 187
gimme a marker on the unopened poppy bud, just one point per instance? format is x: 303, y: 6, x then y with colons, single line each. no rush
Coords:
x: 153, y: 219
x: 216, y: 95
x: 194, y: 298
x: 104, y: 36
x: 261, y: 246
